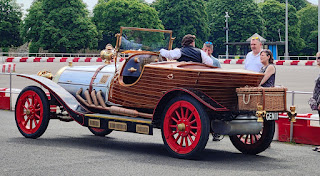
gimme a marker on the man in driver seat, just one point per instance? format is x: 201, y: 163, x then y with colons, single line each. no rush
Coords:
x: 188, y: 52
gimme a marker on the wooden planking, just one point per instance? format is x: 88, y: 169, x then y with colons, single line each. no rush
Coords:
x: 154, y: 82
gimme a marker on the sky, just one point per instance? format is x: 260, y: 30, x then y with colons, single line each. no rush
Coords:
x: 314, y: 1
x: 90, y: 3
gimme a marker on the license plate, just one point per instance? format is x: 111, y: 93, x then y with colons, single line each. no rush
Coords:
x: 272, y: 116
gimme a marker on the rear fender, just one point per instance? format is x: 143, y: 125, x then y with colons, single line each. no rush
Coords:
x: 68, y: 101
x: 198, y: 95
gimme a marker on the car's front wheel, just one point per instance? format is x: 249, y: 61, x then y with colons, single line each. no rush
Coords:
x: 185, y: 127
x: 32, y: 112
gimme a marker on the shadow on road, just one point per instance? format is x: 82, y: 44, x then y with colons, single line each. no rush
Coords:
x: 123, y: 147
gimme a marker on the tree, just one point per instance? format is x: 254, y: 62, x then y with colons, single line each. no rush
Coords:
x: 184, y: 17
x: 309, y: 28
x: 10, y: 20
x: 60, y: 26
x: 245, y: 20
x: 32, y: 26
x: 298, y: 4
x: 273, y: 14
x: 110, y: 15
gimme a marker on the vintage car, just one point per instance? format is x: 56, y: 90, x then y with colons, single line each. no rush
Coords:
x: 186, y: 100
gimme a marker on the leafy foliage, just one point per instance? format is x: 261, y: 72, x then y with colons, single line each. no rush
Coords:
x: 33, y: 23
x: 184, y: 17
x: 10, y: 20
x: 60, y: 26
x: 309, y: 29
x: 245, y: 20
x: 273, y: 14
x: 298, y: 4
x: 64, y: 25
x: 110, y: 15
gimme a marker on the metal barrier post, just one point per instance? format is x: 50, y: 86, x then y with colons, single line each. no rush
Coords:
x: 291, y: 123
x: 10, y: 91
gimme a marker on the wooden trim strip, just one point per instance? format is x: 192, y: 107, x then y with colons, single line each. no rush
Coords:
x: 145, y: 29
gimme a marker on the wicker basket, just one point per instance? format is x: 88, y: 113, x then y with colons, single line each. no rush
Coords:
x: 271, y: 98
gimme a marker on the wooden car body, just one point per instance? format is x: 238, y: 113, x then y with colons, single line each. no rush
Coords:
x: 186, y: 100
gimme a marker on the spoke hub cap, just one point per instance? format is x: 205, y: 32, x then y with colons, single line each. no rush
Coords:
x: 181, y: 127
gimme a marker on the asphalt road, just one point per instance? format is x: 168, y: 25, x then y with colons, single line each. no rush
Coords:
x: 70, y: 149
x: 67, y: 148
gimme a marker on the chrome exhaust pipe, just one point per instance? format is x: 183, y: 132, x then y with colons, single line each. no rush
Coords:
x: 100, y: 99
x: 240, y: 125
x: 111, y: 109
x: 87, y: 96
x: 94, y: 97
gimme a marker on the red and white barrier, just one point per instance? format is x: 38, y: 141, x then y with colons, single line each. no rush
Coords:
x: 8, y: 68
x: 5, y: 98
x: 276, y: 62
x: 56, y: 59
x: 306, y: 129
x: 98, y: 59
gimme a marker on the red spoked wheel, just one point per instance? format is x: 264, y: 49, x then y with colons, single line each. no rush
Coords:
x: 99, y: 131
x: 32, y: 112
x: 185, y: 127
x: 255, y: 143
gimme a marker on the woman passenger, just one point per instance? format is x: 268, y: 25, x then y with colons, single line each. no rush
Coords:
x: 269, y: 70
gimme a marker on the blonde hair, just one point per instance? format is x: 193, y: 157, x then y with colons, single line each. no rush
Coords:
x: 208, y: 45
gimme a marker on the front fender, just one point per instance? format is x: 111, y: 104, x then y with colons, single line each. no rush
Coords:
x: 68, y: 101
x: 198, y: 95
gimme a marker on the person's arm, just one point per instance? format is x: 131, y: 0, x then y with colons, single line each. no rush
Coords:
x: 216, y: 62
x: 270, y: 70
x: 171, y: 54
x: 206, y: 59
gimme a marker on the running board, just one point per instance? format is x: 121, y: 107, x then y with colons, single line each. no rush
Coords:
x: 120, y: 123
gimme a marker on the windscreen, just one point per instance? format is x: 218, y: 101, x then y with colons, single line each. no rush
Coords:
x: 141, y: 40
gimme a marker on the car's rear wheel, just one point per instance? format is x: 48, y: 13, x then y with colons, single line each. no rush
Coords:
x: 32, y: 112
x: 255, y: 143
x: 185, y: 127
x: 99, y: 131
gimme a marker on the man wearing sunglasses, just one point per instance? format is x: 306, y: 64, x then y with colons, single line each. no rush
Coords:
x: 208, y: 48
x: 188, y: 52
x: 252, y: 61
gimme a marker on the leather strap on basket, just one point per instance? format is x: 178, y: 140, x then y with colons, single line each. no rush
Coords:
x: 263, y: 99
x: 95, y: 76
x: 244, y: 98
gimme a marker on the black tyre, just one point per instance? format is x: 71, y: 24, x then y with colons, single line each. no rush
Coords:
x: 32, y: 112
x: 185, y: 127
x: 99, y: 131
x: 255, y: 143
